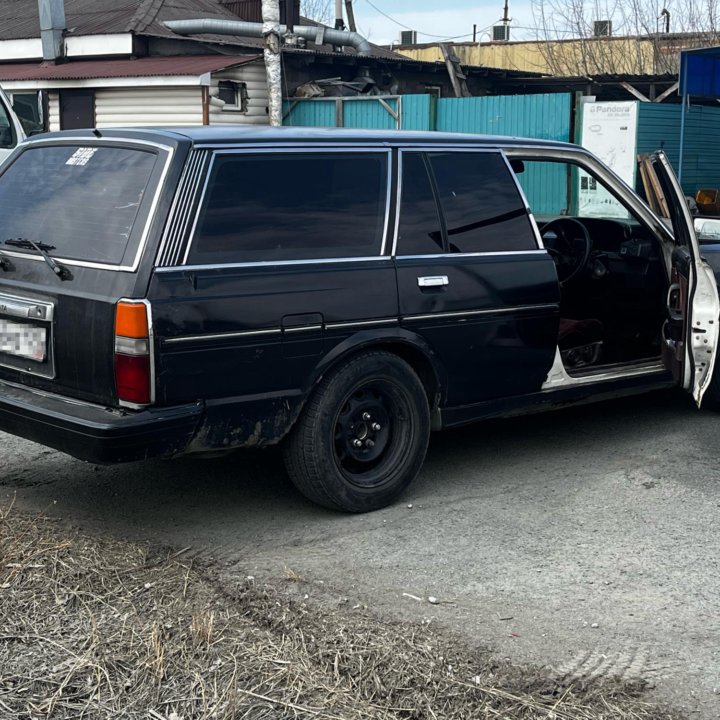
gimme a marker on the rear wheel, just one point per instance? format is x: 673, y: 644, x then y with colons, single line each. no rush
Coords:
x: 362, y: 437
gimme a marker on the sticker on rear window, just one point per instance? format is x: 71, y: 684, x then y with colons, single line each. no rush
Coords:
x: 81, y: 156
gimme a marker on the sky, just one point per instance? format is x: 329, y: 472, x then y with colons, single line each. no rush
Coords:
x: 432, y: 18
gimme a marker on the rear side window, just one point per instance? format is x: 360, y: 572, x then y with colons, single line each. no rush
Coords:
x: 82, y: 202
x: 481, y: 205
x: 292, y: 206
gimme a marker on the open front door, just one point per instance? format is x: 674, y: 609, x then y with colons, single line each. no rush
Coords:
x: 690, y: 332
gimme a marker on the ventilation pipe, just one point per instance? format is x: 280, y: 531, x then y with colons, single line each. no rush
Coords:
x: 52, y: 28
x: 317, y: 34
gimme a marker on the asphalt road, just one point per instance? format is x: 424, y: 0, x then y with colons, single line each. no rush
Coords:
x: 585, y: 540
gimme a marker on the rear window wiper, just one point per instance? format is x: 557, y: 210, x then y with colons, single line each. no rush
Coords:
x: 42, y: 249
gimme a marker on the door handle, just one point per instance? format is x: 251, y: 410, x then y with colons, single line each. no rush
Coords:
x: 433, y: 281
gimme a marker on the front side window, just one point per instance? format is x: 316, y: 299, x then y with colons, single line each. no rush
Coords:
x: 481, y: 205
x: 292, y: 206
x: 83, y: 202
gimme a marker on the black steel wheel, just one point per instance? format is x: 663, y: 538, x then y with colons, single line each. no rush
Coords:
x: 362, y: 436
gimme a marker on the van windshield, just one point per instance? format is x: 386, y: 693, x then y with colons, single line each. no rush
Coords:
x: 82, y: 201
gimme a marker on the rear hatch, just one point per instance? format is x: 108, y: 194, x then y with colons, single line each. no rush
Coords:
x: 76, y: 218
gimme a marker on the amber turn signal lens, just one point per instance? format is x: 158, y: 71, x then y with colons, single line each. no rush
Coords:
x: 131, y: 320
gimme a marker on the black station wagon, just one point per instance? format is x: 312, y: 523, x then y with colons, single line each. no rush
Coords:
x: 342, y: 293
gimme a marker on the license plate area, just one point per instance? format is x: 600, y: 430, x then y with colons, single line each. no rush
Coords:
x: 26, y: 335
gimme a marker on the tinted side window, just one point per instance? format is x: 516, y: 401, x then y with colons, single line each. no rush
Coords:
x: 483, y: 209
x: 419, y: 230
x: 292, y: 207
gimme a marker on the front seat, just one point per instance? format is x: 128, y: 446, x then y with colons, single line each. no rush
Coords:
x: 580, y: 342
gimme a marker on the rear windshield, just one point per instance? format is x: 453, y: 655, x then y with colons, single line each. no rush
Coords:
x: 81, y: 201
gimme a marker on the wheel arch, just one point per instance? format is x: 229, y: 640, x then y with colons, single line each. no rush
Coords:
x: 408, y: 346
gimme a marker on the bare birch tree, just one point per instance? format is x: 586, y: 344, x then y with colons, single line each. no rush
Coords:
x: 319, y: 10
x: 646, y: 35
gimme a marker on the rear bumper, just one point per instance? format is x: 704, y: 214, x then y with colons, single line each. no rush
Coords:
x: 94, y: 433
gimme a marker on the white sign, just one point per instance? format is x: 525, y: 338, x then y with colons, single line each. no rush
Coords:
x: 608, y: 130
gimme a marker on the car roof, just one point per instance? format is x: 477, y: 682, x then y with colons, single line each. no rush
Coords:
x: 233, y: 135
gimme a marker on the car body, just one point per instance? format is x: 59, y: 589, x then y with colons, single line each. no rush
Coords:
x: 166, y: 292
x: 11, y: 131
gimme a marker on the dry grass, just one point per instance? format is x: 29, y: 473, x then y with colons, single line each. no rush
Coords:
x: 94, y: 628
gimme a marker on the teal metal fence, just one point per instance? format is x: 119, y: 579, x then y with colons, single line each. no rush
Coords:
x: 538, y: 116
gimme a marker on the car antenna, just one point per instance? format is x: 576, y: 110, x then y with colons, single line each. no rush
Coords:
x: 97, y: 133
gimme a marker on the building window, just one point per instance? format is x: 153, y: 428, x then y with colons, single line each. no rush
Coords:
x: 234, y: 95
x: 29, y: 107
x: 434, y: 90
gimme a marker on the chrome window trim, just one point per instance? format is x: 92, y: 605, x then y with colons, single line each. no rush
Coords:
x: 489, y: 149
x: 272, y: 263
x: 257, y: 149
x: 95, y: 141
x: 617, y: 187
x: 477, y: 313
x: 528, y: 210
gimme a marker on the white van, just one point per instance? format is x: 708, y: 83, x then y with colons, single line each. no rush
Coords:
x: 11, y: 132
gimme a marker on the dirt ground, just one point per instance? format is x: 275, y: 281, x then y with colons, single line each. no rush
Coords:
x: 583, y: 542
x: 98, y: 628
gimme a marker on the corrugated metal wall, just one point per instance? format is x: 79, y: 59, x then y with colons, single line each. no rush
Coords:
x: 362, y: 112
x: 253, y: 75
x: 537, y: 116
x: 659, y: 128
x: 540, y: 116
x: 148, y: 106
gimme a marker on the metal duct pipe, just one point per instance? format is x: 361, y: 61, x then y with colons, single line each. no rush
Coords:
x: 318, y: 34
x: 52, y: 28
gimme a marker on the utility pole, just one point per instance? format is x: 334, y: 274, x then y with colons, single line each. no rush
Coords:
x: 271, y: 53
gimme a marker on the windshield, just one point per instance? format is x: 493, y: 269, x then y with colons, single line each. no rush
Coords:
x: 82, y: 201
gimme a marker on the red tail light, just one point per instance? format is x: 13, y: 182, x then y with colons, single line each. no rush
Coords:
x: 133, y: 369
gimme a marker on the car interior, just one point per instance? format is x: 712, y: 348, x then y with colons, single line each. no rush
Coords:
x: 613, y: 280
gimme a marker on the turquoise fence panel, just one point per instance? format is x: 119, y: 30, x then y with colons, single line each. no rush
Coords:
x: 659, y: 128
x: 309, y: 113
x: 370, y: 113
x: 544, y: 116
x: 417, y: 112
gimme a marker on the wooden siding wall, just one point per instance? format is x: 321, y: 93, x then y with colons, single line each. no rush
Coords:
x: 253, y: 75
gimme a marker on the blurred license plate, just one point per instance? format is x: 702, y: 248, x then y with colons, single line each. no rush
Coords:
x: 27, y: 341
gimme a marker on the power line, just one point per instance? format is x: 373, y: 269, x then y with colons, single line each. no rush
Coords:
x: 442, y: 37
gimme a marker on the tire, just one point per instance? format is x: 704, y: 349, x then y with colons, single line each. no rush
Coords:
x: 362, y: 437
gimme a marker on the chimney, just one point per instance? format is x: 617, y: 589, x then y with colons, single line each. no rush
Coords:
x: 52, y: 28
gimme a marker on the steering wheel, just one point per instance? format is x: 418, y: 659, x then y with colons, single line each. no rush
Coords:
x: 569, y: 244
